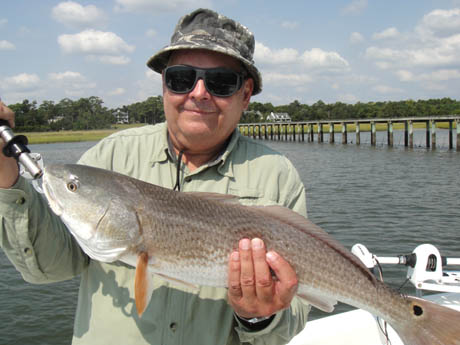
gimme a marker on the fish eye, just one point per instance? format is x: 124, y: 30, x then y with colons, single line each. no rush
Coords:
x: 72, y: 186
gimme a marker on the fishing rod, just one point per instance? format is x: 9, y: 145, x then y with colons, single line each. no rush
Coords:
x: 16, y: 147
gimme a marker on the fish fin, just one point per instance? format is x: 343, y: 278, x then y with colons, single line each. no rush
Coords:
x: 217, y: 197
x: 429, y: 324
x: 143, y: 284
x: 178, y: 281
x: 318, y: 301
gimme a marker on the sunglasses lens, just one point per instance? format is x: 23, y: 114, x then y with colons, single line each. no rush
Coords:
x: 219, y: 82
x: 180, y: 79
x: 222, y: 82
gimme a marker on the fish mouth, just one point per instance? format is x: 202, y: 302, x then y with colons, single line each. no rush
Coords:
x: 52, y: 201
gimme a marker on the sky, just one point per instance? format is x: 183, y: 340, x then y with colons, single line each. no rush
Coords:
x: 307, y: 50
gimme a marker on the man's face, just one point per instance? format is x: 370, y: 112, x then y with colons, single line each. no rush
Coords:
x: 197, y: 120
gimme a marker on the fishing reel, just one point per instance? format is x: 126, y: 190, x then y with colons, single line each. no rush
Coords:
x: 16, y: 147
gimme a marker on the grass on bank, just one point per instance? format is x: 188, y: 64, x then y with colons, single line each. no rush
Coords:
x: 74, y: 136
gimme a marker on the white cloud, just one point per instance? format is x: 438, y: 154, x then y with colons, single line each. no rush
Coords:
x: 317, y: 57
x: 441, y: 75
x: 153, y: 76
x: 105, y: 47
x: 3, y: 21
x: 110, y: 59
x: 386, y: 34
x: 356, y: 37
x: 151, y: 85
x: 66, y: 76
x: 117, y: 92
x: 434, y: 43
x: 294, y: 79
x: 290, y: 25
x: 348, y: 98
x: 6, y: 45
x: 441, y: 22
x: 355, y: 7
x: 445, y: 52
x: 73, y: 84
x: 73, y: 14
x: 150, y: 33
x: 21, y: 82
x: 386, y: 89
x: 314, y: 58
x: 264, y: 54
x: 157, y: 6
x: 405, y: 75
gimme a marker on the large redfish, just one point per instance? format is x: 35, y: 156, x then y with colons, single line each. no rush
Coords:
x: 188, y: 237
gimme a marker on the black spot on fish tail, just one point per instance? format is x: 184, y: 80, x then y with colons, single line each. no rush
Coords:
x: 418, y: 310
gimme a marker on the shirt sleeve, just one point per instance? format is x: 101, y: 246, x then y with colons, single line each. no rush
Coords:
x: 34, y: 239
x: 281, y: 330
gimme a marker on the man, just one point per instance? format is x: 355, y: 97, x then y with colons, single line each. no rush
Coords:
x: 208, y: 79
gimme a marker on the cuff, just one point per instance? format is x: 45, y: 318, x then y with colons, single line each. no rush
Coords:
x: 247, y: 335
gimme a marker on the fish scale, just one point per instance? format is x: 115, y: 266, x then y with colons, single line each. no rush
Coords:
x: 187, y: 237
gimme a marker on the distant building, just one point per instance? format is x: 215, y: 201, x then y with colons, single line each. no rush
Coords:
x: 278, y: 117
x: 56, y: 119
x: 121, y: 116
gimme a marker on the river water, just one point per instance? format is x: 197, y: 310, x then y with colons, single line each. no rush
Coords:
x: 390, y: 199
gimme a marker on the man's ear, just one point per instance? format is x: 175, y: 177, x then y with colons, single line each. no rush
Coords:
x: 247, y: 91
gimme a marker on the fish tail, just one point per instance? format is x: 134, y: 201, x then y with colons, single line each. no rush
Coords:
x: 429, y: 324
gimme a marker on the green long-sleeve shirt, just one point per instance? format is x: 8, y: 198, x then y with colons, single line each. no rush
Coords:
x: 37, y: 243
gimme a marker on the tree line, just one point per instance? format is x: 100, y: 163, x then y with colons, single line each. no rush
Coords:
x: 90, y: 113
x: 344, y: 111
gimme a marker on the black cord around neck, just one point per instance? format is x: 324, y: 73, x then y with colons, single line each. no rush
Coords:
x: 179, y: 162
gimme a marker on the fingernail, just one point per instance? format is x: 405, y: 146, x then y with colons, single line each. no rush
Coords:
x: 256, y: 243
x: 245, y: 244
x: 271, y: 256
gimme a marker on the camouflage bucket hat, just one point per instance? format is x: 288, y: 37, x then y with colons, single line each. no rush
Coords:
x: 206, y: 29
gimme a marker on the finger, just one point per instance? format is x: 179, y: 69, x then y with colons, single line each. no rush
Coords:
x: 247, y: 269
x: 286, y: 286
x: 263, y: 279
x: 234, y: 276
x: 6, y: 114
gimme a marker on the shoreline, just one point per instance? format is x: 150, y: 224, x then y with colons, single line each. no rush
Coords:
x: 98, y: 134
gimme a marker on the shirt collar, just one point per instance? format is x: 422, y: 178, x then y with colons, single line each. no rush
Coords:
x: 165, y: 151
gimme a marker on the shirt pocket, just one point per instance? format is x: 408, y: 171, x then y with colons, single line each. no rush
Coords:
x: 250, y: 196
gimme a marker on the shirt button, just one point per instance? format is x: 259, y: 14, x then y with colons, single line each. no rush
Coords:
x: 173, y: 326
x: 27, y: 251
x: 188, y: 179
x: 21, y: 201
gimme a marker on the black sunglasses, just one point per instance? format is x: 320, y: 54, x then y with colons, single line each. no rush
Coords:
x: 220, y: 81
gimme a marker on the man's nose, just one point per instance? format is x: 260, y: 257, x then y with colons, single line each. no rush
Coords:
x: 199, y: 91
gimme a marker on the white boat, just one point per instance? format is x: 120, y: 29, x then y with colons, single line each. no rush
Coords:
x: 359, y: 327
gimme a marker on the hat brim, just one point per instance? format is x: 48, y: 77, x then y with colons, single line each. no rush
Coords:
x: 159, y: 61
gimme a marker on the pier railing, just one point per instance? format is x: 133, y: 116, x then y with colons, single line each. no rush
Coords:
x: 307, y: 130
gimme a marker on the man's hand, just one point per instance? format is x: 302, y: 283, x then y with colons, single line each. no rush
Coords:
x: 8, y: 166
x: 252, y: 291
x: 6, y: 114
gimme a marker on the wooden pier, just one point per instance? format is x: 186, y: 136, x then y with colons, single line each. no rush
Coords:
x: 306, y: 130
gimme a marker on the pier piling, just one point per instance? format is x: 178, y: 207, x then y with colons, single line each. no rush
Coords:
x: 296, y: 131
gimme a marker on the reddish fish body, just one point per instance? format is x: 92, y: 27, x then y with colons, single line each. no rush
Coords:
x: 187, y: 237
